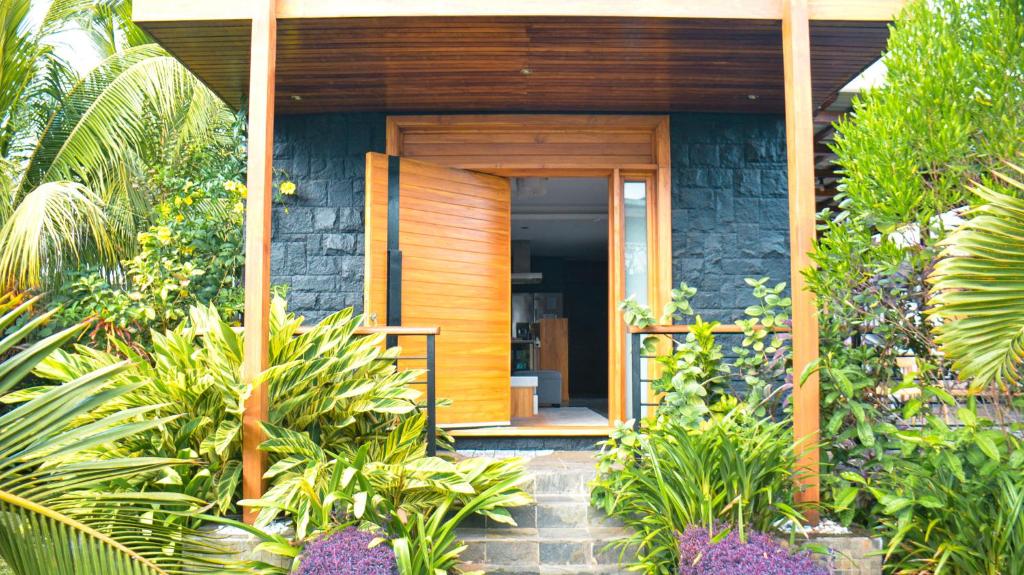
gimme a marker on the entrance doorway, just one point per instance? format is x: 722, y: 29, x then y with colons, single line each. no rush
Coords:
x: 439, y: 245
x: 559, y: 301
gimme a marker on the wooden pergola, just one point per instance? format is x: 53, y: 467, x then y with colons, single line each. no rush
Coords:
x: 696, y: 55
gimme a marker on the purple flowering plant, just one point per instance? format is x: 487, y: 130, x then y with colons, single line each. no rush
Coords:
x: 349, y: 551
x: 702, y: 554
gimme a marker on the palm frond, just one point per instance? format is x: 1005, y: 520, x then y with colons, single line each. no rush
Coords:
x: 978, y: 287
x: 54, y: 228
x: 59, y: 512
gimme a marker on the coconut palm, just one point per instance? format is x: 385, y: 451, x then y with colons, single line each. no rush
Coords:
x: 74, y: 148
x: 59, y: 513
x: 978, y: 286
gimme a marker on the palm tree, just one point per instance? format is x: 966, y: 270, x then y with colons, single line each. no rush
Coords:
x: 978, y: 286
x: 58, y: 515
x: 73, y: 149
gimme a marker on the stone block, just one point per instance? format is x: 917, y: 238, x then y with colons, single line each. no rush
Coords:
x: 350, y: 219
x: 564, y: 553
x: 297, y: 220
x: 338, y: 244
x: 324, y: 219
x: 512, y: 552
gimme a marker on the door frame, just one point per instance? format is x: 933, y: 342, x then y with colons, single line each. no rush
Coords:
x: 619, y: 147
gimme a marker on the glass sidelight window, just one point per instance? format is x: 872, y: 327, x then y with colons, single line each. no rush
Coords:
x: 636, y: 259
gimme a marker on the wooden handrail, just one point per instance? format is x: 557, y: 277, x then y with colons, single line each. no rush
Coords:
x: 722, y: 328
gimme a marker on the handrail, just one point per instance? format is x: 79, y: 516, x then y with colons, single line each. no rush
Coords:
x: 385, y: 329
x: 687, y: 328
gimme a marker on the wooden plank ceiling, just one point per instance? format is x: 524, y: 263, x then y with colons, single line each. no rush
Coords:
x: 550, y: 64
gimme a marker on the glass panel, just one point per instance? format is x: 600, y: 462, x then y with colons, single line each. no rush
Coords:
x: 635, y: 266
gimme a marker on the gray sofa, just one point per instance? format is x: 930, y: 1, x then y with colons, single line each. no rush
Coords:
x: 549, y: 386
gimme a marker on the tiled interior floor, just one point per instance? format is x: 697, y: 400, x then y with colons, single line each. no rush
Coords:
x: 555, y: 416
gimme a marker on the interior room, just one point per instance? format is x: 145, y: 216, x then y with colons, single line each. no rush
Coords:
x: 559, y: 301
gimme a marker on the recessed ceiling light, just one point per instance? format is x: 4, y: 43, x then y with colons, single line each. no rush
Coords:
x: 297, y: 98
x: 751, y: 96
x: 526, y: 71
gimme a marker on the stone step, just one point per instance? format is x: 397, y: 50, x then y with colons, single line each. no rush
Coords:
x: 551, y: 511
x: 542, y: 547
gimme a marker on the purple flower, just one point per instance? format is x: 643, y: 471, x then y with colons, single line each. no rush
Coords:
x: 760, y: 555
x: 347, y: 552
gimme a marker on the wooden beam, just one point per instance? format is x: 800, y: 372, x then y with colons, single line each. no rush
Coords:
x: 206, y: 10
x: 796, y: 49
x: 257, y: 245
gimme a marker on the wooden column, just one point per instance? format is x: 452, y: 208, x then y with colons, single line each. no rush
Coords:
x: 257, y: 243
x: 796, y: 50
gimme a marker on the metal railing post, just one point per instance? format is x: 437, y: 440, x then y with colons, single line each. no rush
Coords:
x: 431, y: 400
x: 635, y: 352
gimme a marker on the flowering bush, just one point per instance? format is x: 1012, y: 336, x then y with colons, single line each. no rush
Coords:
x: 191, y: 254
x: 349, y: 551
x: 759, y: 555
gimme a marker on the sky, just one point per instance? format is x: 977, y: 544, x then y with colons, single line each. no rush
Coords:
x: 73, y: 45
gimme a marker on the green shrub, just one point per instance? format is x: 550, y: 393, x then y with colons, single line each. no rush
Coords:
x: 63, y: 507
x: 339, y: 388
x: 951, y: 108
x: 190, y: 255
x: 734, y: 468
x: 392, y: 485
x: 952, y: 502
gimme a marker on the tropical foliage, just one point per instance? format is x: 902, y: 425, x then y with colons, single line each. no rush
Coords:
x: 907, y: 168
x: 979, y: 284
x: 77, y: 151
x: 390, y: 485
x: 61, y: 507
x: 338, y: 388
x: 705, y: 459
x: 952, y: 501
x: 191, y: 255
x: 733, y: 469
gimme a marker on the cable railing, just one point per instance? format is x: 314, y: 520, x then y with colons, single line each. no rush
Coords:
x: 637, y: 358
x: 392, y: 333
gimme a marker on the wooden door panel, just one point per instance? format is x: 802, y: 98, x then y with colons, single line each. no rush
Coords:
x: 454, y: 236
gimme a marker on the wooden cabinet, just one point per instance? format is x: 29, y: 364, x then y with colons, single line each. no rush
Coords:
x: 554, y: 349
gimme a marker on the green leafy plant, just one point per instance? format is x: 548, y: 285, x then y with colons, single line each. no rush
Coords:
x: 905, y: 171
x: 694, y: 374
x: 763, y: 358
x: 60, y: 506
x: 390, y: 483
x: 191, y: 255
x: 339, y: 388
x: 953, y: 501
x: 734, y: 469
x: 76, y: 149
x: 978, y: 284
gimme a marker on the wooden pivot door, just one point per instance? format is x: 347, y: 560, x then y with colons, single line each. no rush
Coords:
x: 447, y: 266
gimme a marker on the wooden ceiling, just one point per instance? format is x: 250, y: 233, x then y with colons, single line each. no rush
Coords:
x: 528, y: 64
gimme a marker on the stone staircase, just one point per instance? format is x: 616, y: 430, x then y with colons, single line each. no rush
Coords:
x: 559, y: 534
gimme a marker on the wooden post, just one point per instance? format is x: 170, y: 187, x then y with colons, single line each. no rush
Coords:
x: 257, y: 244
x: 796, y: 51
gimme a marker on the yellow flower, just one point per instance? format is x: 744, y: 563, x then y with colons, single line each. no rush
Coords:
x: 163, y: 233
x: 179, y: 218
x: 239, y: 207
x: 287, y: 188
x: 188, y: 200
x: 177, y: 201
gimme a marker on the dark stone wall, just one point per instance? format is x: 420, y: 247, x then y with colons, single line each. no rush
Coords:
x: 318, y: 233
x: 730, y: 213
x: 729, y: 207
